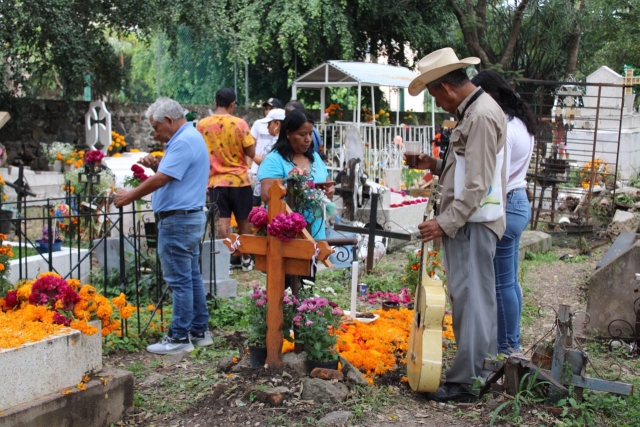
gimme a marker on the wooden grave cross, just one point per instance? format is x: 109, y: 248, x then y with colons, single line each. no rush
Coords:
x: 278, y: 258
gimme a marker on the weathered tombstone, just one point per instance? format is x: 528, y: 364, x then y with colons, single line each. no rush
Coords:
x: 611, y: 300
x: 215, y: 270
x: 98, y: 126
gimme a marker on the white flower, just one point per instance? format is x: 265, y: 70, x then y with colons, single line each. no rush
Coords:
x: 328, y: 290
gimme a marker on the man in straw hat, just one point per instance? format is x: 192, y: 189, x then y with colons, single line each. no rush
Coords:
x: 470, y: 216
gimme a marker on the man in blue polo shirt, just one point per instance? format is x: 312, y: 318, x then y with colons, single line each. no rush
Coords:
x: 179, y: 189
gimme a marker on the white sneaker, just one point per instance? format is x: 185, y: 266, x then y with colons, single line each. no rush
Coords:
x: 170, y: 345
x: 203, y: 340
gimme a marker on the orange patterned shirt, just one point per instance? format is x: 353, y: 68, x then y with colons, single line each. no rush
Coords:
x: 226, y: 137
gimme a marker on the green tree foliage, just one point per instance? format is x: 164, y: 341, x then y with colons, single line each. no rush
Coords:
x: 613, y: 38
x: 63, y: 41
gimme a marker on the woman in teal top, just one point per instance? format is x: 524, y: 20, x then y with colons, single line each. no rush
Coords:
x: 294, y: 148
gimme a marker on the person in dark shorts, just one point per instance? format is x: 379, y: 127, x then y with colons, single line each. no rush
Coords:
x: 229, y: 142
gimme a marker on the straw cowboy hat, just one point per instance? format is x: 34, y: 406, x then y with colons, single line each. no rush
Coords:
x: 436, y: 65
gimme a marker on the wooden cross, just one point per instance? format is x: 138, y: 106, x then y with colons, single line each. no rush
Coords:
x: 372, y: 231
x: 629, y: 80
x: 278, y: 258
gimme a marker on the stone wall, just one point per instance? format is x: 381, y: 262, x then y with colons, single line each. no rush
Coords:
x: 34, y: 121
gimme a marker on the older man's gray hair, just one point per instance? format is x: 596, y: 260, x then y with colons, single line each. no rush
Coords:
x: 164, y: 107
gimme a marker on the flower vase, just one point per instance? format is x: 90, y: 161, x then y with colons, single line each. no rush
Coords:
x: 257, y: 356
x: 331, y: 364
x: 67, y: 168
x: 43, y: 247
x: 5, y: 221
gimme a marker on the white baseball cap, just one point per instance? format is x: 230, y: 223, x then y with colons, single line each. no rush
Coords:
x: 274, y: 114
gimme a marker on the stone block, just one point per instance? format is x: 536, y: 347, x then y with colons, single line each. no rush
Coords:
x: 621, y: 244
x: 534, y: 241
x: 217, y: 282
x: 326, y: 374
x: 112, y: 245
x: 99, y: 405
x: 61, y: 262
x: 612, y: 291
x: 49, y: 366
x: 321, y: 391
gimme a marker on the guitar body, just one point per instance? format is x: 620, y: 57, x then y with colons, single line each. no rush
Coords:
x: 424, y: 355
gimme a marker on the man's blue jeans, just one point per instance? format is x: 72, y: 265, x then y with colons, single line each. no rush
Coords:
x: 508, y: 292
x: 179, y: 250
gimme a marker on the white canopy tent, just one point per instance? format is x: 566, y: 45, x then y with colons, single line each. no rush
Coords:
x: 349, y: 74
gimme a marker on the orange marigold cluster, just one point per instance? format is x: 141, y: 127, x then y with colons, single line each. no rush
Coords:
x: 21, y: 321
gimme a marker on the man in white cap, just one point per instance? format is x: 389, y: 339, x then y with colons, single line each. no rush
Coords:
x: 264, y: 142
x: 273, y: 123
x: 470, y: 216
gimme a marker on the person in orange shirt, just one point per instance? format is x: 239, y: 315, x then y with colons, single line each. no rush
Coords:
x: 229, y: 143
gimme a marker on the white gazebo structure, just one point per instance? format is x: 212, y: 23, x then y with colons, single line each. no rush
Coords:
x: 379, y: 151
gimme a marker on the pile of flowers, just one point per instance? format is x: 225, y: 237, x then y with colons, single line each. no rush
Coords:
x: 377, y: 298
x: 118, y: 144
x: 367, y: 116
x: 138, y: 176
x: 599, y: 168
x: 332, y: 113
x: 57, y: 151
x: 6, y: 253
x: 74, y: 159
x: 382, y: 118
x: 378, y: 347
x: 412, y: 201
x: 48, y: 305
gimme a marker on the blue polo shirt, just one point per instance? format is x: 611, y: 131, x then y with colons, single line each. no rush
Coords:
x: 185, y: 160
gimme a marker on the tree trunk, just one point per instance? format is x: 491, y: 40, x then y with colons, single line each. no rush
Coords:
x: 574, y: 44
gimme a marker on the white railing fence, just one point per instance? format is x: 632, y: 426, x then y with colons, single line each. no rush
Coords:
x: 380, y: 150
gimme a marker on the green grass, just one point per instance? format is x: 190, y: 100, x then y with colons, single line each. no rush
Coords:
x: 25, y: 252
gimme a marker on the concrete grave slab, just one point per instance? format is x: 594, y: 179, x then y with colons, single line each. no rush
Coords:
x: 49, y: 366
x: 219, y: 284
x: 534, y: 241
x: 62, y: 261
x: 99, y: 405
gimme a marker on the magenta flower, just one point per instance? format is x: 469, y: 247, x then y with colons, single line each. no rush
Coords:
x: 93, y: 156
x: 336, y: 312
x: 308, y: 323
x: 258, y: 217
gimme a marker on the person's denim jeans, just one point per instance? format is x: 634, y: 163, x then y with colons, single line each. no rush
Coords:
x: 179, y: 250
x: 508, y: 292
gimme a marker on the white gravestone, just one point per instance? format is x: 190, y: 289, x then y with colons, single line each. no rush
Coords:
x: 98, y: 126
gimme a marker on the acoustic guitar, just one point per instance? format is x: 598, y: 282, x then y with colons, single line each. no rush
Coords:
x: 424, y: 356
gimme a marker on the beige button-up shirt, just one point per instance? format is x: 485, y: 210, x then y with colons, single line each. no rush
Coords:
x: 479, y: 136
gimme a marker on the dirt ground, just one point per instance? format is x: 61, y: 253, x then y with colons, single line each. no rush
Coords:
x: 181, y: 391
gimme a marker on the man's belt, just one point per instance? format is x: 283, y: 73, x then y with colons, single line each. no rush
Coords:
x: 167, y: 214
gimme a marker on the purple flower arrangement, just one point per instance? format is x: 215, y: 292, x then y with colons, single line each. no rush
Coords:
x: 93, y: 156
x: 259, y: 217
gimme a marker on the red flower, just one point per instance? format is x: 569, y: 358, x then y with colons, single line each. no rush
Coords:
x: 61, y: 319
x: 11, y: 300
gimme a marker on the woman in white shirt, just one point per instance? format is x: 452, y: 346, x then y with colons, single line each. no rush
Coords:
x: 520, y: 140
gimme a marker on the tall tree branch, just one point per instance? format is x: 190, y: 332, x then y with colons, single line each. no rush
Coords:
x: 513, y: 34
